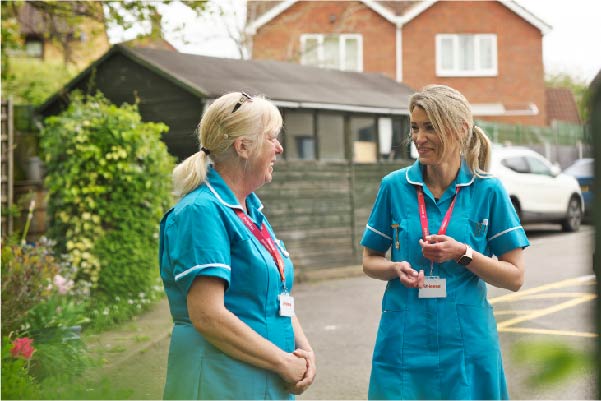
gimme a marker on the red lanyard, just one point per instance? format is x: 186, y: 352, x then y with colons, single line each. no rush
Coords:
x: 265, y: 239
x: 423, y: 215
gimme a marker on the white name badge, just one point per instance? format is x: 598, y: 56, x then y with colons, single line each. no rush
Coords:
x: 434, y: 287
x: 286, y: 305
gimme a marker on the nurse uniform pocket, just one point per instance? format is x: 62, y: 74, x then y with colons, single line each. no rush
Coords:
x: 389, y: 343
x: 400, y: 239
x: 478, y: 330
x: 478, y: 231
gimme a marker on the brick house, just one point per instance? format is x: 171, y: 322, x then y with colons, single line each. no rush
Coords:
x: 489, y: 50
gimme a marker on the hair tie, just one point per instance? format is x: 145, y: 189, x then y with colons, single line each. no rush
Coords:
x: 207, y: 151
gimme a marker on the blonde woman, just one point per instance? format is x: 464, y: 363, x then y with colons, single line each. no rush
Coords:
x: 227, y: 277
x: 443, y: 218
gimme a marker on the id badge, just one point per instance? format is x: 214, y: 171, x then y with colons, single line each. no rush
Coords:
x: 434, y: 287
x: 286, y: 304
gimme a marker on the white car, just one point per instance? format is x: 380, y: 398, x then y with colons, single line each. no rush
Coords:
x: 539, y: 191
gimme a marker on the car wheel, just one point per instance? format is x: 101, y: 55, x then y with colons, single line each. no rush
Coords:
x: 573, y: 216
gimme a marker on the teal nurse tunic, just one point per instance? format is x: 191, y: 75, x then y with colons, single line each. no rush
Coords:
x: 440, y: 348
x: 202, y: 236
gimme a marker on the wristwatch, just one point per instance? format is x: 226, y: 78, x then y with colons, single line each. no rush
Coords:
x: 467, y: 257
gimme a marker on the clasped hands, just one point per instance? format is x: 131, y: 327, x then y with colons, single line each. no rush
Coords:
x: 437, y: 248
x: 301, y: 371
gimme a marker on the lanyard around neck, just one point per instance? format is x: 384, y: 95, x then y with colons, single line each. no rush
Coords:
x: 265, y: 239
x: 423, y: 214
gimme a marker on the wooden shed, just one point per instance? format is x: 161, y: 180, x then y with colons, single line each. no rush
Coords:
x: 342, y: 132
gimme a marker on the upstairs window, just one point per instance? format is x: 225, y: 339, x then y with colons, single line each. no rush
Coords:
x: 342, y: 52
x: 34, y: 47
x: 466, y: 55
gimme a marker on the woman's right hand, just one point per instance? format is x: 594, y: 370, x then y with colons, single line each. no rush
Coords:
x: 409, y: 278
x: 293, y: 368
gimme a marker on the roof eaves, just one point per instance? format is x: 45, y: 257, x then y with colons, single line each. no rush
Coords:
x: 415, y: 11
x: 151, y: 65
x: 283, y: 6
x: 73, y: 83
x: 268, y: 16
x: 384, y: 12
x: 527, y: 15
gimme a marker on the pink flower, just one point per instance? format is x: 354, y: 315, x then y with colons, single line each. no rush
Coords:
x: 62, y: 284
x: 22, y: 348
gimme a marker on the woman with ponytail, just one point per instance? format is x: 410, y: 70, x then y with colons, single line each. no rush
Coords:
x: 227, y: 277
x: 444, y: 220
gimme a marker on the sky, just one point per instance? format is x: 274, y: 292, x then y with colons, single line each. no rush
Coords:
x: 573, y: 46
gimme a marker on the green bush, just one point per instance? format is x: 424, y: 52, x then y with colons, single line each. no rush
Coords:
x: 27, y: 273
x: 17, y: 383
x: 108, y: 177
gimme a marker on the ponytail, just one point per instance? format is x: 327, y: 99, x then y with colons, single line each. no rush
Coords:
x: 190, y: 173
x: 477, y: 151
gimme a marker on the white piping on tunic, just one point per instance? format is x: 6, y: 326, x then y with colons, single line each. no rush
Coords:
x: 412, y: 182
x: 219, y: 197
x: 505, y: 232
x: 421, y: 184
x: 378, y: 232
x: 201, y: 267
x: 226, y: 204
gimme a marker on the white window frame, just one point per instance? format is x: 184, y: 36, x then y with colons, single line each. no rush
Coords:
x: 341, y: 49
x: 477, y: 71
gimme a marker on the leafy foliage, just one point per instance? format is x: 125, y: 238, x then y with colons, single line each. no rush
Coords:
x: 579, y: 88
x: 33, y: 81
x: 108, y: 177
x: 17, y: 383
x: 27, y: 271
x: 551, y: 361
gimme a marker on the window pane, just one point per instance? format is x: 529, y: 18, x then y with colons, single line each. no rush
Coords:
x: 310, y: 52
x: 351, y: 59
x: 33, y: 48
x: 538, y: 167
x: 330, y: 134
x: 331, y: 52
x: 385, y: 136
x: 517, y: 164
x: 446, y: 54
x: 298, y: 128
x: 466, y: 53
x: 486, y: 53
x: 400, y: 141
x: 363, y: 133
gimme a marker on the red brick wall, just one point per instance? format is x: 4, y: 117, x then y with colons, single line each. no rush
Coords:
x: 280, y: 38
x: 520, y: 69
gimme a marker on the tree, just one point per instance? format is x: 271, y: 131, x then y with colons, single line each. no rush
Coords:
x: 579, y: 88
x: 62, y: 23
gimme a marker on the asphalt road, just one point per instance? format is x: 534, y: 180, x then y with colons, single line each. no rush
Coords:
x: 340, y: 317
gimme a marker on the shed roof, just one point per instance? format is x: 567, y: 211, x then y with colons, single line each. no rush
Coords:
x: 561, y: 106
x: 287, y: 84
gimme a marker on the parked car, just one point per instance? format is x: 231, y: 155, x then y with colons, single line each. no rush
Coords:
x: 539, y: 191
x: 584, y: 171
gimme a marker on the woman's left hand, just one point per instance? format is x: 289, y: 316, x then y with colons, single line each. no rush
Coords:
x: 299, y: 387
x: 440, y: 248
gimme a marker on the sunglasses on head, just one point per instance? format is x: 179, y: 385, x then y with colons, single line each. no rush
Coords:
x: 243, y: 99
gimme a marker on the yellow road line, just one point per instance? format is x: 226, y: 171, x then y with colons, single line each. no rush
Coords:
x: 554, y: 295
x: 513, y: 312
x: 546, y: 311
x: 560, y: 284
x: 548, y: 332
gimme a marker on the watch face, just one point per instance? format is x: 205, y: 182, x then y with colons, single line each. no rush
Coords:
x: 464, y: 260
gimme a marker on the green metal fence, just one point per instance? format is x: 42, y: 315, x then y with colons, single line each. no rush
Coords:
x: 559, y: 133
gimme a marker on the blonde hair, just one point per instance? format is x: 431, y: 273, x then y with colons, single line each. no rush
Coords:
x: 450, y: 115
x: 219, y: 127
